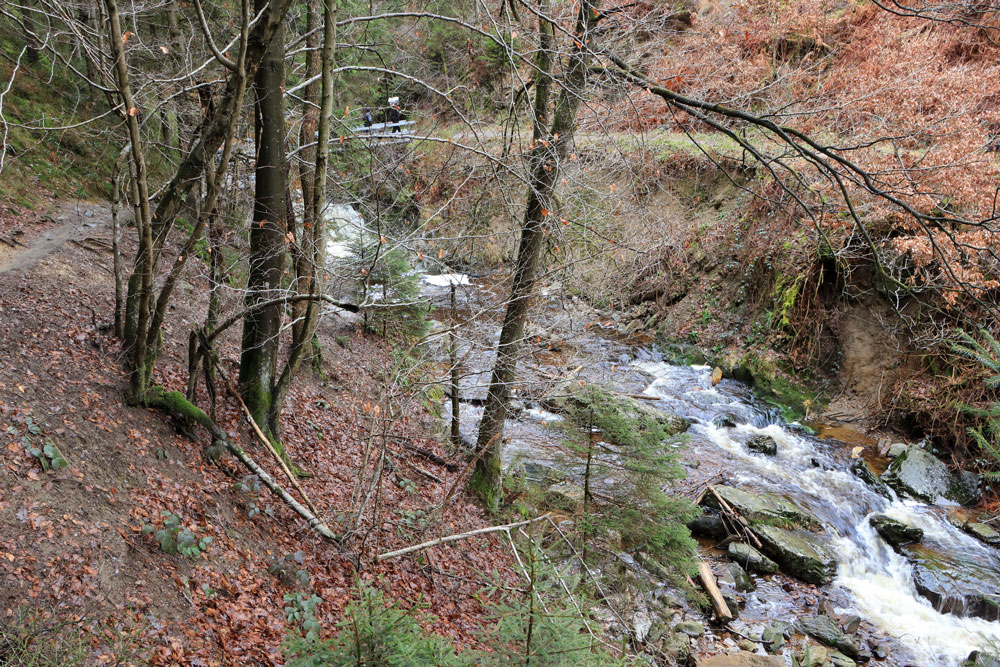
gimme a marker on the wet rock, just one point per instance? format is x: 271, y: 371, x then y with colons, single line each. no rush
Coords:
x: 724, y: 421
x: 773, y: 637
x: 690, y: 628
x: 880, y: 650
x: 896, y: 449
x: 677, y: 647
x: 838, y: 659
x: 741, y: 580
x: 799, y: 553
x: 983, y: 533
x: 633, y: 327
x: 864, y: 472
x: 825, y: 631
x: 955, y: 585
x: 683, y: 354
x: 812, y: 655
x: 565, y: 496
x: 731, y: 599
x: 763, y: 507
x: 708, y: 524
x: 980, y: 659
x: 923, y: 476
x: 569, y: 399
x: 750, y: 558
x: 741, y: 659
x: 895, y: 532
x: 762, y: 444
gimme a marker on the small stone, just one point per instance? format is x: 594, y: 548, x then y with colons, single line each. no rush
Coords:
x: 813, y: 655
x: 741, y: 580
x: 692, y: 629
x: 762, y: 444
x: 747, y: 645
x: 773, y: 637
x: 881, y: 651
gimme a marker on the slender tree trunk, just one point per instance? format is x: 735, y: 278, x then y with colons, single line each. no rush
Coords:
x: 140, y: 365
x: 309, y: 278
x: 310, y: 100
x: 551, y: 148
x: 261, y: 326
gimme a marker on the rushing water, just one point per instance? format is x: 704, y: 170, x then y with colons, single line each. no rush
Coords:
x: 809, y: 471
x: 875, y: 581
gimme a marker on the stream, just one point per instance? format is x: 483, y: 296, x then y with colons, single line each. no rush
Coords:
x: 566, y: 338
x: 872, y: 580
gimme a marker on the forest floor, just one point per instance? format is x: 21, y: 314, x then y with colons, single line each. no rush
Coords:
x: 75, y: 565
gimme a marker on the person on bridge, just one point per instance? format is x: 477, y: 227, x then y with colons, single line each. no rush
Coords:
x: 394, y: 114
x: 368, y: 119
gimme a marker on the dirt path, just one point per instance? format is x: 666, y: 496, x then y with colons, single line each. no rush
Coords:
x: 74, y: 220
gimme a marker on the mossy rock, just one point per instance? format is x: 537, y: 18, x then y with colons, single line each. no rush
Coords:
x: 800, y: 554
x: 953, y: 584
x: 774, y: 385
x: 921, y: 475
x: 895, y: 532
x: 764, y: 508
x: 864, y: 472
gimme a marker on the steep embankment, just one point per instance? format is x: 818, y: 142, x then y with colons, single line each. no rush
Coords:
x: 78, y: 572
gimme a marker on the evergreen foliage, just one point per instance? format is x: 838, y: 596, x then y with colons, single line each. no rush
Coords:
x: 641, y: 452
x: 987, y: 434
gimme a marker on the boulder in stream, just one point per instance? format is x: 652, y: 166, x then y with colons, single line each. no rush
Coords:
x: 954, y: 584
x: 576, y: 402
x: 763, y: 507
x: 895, y: 532
x: 864, y: 472
x: 709, y: 524
x: 825, y: 631
x: 762, y: 444
x: 799, y: 553
x: 750, y: 558
x: 921, y: 475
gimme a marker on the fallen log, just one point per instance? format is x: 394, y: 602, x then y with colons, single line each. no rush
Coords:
x: 707, y: 579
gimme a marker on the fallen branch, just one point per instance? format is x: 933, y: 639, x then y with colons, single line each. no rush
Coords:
x: 214, y: 358
x: 715, y: 595
x: 430, y: 456
x: 734, y: 515
x: 454, y: 538
x: 175, y: 403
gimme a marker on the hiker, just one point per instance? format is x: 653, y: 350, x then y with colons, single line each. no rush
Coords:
x: 394, y: 114
x: 368, y: 119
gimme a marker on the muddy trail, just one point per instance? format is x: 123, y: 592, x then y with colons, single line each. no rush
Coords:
x: 927, y: 603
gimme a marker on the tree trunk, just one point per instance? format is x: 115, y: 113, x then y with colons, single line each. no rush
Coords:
x: 261, y: 325
x: 308, y: 275
x: 140, y: 365
x: 551, y: 148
